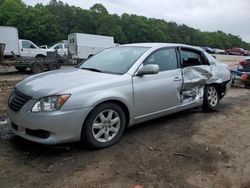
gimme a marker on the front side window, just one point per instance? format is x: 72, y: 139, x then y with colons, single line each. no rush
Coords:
x: 115, y: 60
x: 27, y: 44
x: 165, y: 58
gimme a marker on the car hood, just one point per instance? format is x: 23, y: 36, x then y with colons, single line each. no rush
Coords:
x: 56, y: 82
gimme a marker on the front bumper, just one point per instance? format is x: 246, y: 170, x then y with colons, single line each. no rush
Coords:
x: 224, y: 87
x: 47, y: 127
x: 228, y: 85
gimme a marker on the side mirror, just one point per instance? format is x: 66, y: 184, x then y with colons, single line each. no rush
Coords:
x: 148, y: 69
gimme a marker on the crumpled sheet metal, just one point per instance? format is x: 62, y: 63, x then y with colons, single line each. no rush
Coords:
x: 194, y: 76
x: 194, y: 80
x: 194, y: 94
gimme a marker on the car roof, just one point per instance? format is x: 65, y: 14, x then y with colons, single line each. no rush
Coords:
x: 159, y: 45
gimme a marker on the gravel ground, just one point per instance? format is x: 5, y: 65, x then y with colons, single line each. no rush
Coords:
x: 187, y: 149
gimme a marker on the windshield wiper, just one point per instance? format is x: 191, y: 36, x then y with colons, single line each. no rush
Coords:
x: 91, y: 69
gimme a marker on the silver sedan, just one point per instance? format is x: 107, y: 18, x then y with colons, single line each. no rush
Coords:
x: 119, y: 87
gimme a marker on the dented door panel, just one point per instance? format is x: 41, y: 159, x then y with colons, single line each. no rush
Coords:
x: 194, y: 80
x: 196, y: 72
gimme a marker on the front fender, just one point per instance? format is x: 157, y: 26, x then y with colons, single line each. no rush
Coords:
x: 90, y: 98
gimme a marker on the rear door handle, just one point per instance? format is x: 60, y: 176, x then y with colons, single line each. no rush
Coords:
x: 177, y: 79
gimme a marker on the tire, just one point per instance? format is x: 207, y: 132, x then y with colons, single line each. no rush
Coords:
x: 105, y: 133
x: 211, y: 98
x: 40, y: 56
x: 37, y: 68
x: 54, y: 66
x: 21, y: 68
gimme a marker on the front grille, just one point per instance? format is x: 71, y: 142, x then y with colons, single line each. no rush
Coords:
x: 17, y: 100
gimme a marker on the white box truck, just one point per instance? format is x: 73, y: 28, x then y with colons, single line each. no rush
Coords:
x: 20, y: 47
x: 9, y: 37
x: 83, y: 46
x: 27, y: 54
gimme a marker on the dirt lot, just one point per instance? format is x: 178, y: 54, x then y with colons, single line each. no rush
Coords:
x: 188, y: 149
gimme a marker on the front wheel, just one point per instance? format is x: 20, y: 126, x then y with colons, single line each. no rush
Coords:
x: 21, y: 68
x: 211, y: 98
x: 104, y: 126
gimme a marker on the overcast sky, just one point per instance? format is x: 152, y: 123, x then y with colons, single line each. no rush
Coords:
x: 230, y: 16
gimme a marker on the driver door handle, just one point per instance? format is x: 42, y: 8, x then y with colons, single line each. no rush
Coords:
x: 177, y: 79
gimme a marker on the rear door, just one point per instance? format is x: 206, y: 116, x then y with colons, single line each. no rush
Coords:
x: 196, y: 73
x: 157, y: 94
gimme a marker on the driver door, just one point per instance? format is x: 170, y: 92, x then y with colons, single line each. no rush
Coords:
x: 158, y: 94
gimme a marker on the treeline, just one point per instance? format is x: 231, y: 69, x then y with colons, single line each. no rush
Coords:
x: 46, y: 24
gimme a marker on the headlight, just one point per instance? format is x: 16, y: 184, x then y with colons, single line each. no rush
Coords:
x: 50, y: 103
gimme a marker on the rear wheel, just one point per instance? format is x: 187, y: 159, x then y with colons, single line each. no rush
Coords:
x: 37, y: 68
x: 21, y: 68
x: 211, y: 98
x: 104, y: 126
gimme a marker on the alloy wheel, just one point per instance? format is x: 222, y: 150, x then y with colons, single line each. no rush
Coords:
x: 212, y: 96
x: 106, y: 125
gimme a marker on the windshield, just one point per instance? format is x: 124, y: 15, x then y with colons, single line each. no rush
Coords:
x: 115, y: 60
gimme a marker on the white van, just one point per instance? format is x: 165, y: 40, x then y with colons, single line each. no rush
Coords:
x: 20, y: 47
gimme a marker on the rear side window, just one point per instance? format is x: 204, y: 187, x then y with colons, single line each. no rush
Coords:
x: 165, y: 58
x: 192, y: 58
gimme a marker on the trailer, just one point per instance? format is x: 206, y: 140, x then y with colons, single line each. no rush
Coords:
x: 36, y: 65
x: 83, y: 46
